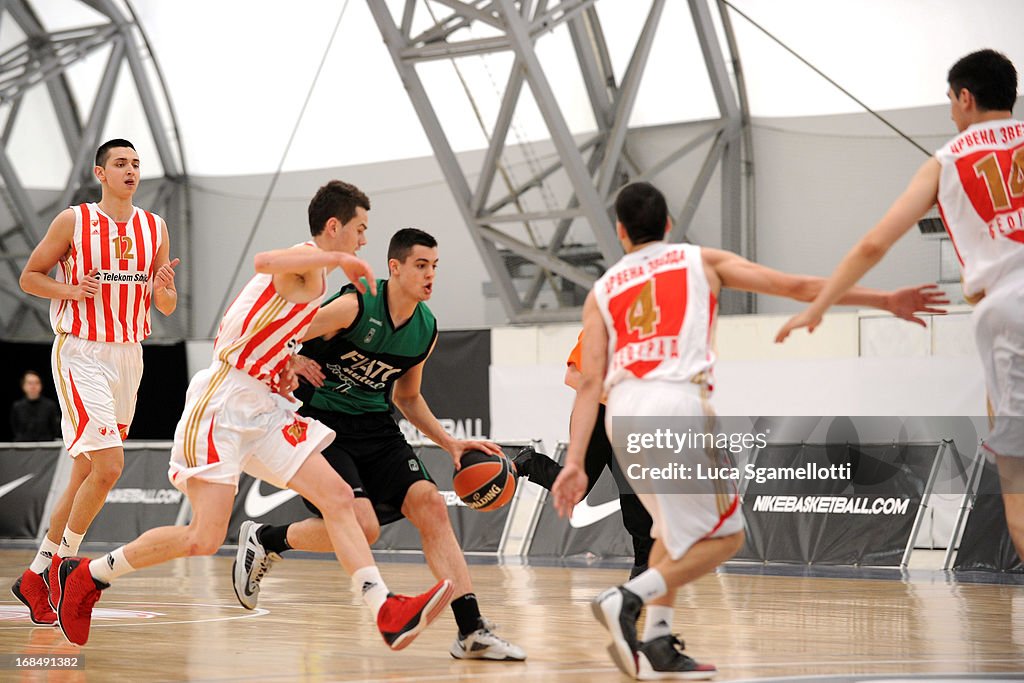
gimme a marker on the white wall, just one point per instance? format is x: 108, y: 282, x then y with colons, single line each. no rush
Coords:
x: 821, y: 374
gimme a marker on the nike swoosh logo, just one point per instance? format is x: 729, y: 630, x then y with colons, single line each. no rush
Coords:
x: 585, y: 514
x: 257, y: 505
x: 10, y: 486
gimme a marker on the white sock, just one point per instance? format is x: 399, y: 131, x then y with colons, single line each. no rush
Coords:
x: 110, y: 566
x: 69, y: 543
x: 649, y: 585
x: 659, y: 622
x: 42, y: 560
x: 368, y: 582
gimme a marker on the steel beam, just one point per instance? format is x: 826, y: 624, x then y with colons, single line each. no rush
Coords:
x: 627, y: 98
x: 538, y: 256
x: 583, y: 204
x: 98, y: 117
x: 443, y: 152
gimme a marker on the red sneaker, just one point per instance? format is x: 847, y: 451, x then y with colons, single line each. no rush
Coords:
x: 52, y: 583
x: 401, y: 618
x: 30, y: 589
x: 78, y: 593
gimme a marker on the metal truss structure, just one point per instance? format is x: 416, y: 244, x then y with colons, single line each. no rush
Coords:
x: 525, y: 251
x: 40, y: 59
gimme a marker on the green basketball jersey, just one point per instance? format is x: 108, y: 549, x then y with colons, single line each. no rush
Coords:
x: 362, y: 362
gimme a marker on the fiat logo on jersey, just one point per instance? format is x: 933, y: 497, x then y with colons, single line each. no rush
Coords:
x: 295, y: 433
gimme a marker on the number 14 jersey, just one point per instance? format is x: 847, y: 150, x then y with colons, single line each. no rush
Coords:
x: 981, y: 199
x: 659, y: 310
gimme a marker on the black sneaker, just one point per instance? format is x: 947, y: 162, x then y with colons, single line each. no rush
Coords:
x: 618, y: 609
x: 522, y: 461
x: 663, y: 659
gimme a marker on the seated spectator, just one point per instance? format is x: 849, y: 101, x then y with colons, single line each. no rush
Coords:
x: 35, y: 417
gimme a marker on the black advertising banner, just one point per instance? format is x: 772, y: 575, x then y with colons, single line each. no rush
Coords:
x: 986, y: 544
x: 595, y: 528
x: 264, y: 503
x: 865, y: 519
x: 477, y: 531
x: 25, y: 478
x: 142, y: 499
x: 456, y: 385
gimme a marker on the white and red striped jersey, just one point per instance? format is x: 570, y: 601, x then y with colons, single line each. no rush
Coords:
x: 981, y: 199
x: 123, y: 253
x: 261, y: 329
x: 659, y: 310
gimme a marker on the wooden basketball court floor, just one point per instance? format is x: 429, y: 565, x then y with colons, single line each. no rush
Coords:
x: 181, y: 621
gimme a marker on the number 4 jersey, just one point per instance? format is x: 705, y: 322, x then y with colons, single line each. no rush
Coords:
x: 981, y: 199
x: 659, y: 310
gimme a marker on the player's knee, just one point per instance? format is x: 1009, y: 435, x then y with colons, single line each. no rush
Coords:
x: 205, y: 541
x: 106, y: 472
x: 333, y: 497
x: 425, y: 507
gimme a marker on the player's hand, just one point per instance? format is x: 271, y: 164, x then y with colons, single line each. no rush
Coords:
x: 569, y: 488
x: 164, y: 278
x: 87, y: 288
x: 460, y: 446
x: 807, y: 319
x: 308, y: 369
x: 356, y: 268
x: 287, y: 382
x: 905, y: 303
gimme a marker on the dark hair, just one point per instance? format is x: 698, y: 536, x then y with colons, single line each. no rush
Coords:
x: 642, y: 210
x: 405, y: 239
x: 35, y: 374
x: 989, y: 76
x: 336, y: 199
x: 104, y: 150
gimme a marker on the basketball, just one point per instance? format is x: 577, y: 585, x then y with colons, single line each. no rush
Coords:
x: 485, y: 482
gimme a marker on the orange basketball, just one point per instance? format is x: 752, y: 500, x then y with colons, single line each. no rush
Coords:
x: 485, y: 482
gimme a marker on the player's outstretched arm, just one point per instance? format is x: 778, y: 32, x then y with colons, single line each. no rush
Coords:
x: 904, y: 213
x: 737, y: 272
x: 571, y: 483
x: 304, y: 261
x: 409, y: 400
x: 35, y: 276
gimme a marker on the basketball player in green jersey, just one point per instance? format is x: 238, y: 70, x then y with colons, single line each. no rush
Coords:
x: 362, y: 348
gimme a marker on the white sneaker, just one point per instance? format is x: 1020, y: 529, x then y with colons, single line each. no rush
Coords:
x: 484, y: 643
x: 252, y: 562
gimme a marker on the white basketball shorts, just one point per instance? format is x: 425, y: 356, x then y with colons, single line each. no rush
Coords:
x: 699, y: 510
x: 233, y: 423
x: 97, y: 384
x: 999, y: 333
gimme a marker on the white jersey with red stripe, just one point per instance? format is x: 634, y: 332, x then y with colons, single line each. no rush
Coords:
x: 123, y: 254
x: 659, y: 310
x: 981, y: 199
x: 261, y: 329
